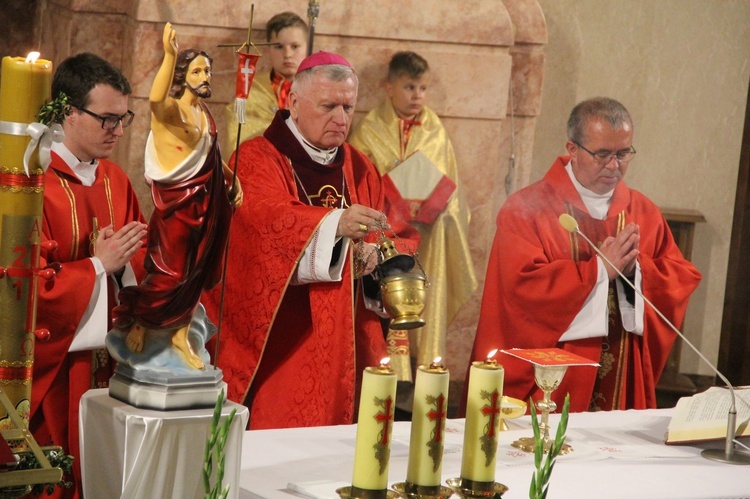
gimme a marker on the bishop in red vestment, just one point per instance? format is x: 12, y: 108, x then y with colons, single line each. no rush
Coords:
x: 546, y: 287
x: 294, y: 339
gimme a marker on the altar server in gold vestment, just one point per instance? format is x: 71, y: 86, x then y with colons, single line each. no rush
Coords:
x: 408, y: 143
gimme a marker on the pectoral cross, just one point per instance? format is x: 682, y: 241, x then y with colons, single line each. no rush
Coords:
x: 493, y: 411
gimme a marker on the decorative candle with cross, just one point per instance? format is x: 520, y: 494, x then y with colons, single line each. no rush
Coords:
x: 24, y: 88
x: 428, y: 425
x: 484, y: 395
x: 374, y: 426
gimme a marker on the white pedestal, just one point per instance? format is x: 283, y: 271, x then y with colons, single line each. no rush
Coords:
x: 167, y: 392
x: 128, y: 452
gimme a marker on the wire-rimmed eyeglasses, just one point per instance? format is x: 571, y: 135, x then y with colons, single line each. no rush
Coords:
x: 603, y: 156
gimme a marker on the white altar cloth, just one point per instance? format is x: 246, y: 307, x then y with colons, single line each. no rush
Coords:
x: 128, y: 452
x: 619, y: 454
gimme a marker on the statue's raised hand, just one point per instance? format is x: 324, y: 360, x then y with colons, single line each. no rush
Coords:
x: 169, y: 39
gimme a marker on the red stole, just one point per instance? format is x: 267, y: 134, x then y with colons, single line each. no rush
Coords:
x: 404, y: 132
x: 281, y: 88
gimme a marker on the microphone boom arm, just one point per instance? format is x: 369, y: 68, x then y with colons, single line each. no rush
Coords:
x: 571, y: 225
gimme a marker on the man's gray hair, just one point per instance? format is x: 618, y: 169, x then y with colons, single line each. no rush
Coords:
x: 332, y: 72
x: 602, y: 108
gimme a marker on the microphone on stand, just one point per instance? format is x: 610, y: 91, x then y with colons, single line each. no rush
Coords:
x: 728, y: 455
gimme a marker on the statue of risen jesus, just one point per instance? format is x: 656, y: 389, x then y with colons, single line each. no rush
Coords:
x: 193, y: 202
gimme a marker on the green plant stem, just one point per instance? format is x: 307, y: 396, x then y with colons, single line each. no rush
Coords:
x: 215, y: 448
x: 541, y: 477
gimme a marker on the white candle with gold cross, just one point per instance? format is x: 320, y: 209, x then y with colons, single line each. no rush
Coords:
x: 428, y: 425
x: 484, y: 396
x: 374, y: 426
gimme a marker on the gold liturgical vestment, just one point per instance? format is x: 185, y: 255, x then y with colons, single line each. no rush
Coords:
x: 443, y: 250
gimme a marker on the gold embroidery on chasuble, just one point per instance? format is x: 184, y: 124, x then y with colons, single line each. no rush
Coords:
x: 100, y: 365
x: 110, y: 204
x: 74, y: 228
x: 397, y: 342
x: 328, y: 197
x: 606, y: 361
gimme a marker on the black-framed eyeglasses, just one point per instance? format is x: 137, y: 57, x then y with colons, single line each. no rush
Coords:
x: 603, y: 157
x: 111, y: 122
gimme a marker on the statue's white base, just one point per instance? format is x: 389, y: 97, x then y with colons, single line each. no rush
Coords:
x: 132, y: 453
x: 165, y: 392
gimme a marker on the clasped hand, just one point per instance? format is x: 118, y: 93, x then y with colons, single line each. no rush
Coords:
x: 115, y: 248
x: 622, y: 250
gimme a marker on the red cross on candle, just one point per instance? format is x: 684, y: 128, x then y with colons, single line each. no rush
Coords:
x: 385, y: 419
x: 438, y: 416
x: 493, y: 411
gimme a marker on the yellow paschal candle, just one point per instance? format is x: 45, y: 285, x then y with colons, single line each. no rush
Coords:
x: 483, y: 403
x: 24, y: 88
x: 374, y: 425
x: 428, y: 425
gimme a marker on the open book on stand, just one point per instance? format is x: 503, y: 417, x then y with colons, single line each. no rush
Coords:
x: 703, y: 416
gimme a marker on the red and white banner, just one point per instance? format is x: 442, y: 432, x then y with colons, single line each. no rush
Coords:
x: 244, y: 81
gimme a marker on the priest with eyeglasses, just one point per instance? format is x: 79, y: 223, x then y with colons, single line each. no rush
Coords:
x: 545, y: 287
x: 91, y: 211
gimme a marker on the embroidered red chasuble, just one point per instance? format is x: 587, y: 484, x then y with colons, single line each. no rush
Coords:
x: 539, y: 276
x: 294, y: 353
x: 61, y: 378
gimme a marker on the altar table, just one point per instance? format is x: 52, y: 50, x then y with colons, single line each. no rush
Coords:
x: 128, y: 452
x: 618, y: 454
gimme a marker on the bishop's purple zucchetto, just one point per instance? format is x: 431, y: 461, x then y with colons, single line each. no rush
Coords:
x: 321, y: 59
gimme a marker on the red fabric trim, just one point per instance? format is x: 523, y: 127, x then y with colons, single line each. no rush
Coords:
x: 17, y: 373
x: 21, y: 180
x: 433, y: 206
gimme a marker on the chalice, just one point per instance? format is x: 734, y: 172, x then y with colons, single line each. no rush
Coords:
x: 548, y: 378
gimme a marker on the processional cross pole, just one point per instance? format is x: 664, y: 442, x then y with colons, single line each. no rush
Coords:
x: 313, y: 9
x: 244, y: 81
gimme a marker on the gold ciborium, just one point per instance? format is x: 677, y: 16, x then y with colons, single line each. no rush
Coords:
x: 403, y: 292
x: 547, y: 378
x: 510, y: 408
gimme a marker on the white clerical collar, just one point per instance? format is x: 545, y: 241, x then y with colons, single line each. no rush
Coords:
x: 597, y: 204
x: 322, y: 156
x: 85, y: 172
